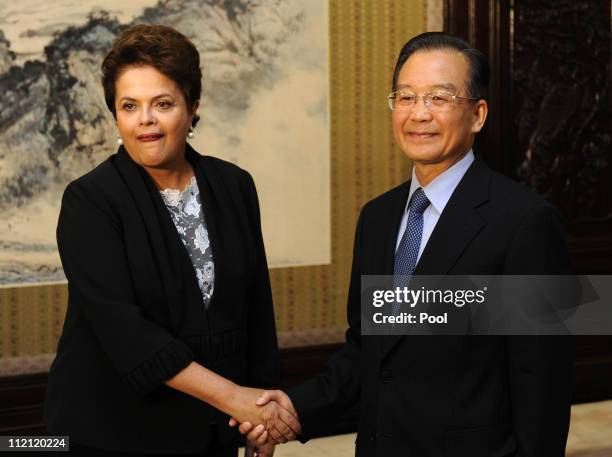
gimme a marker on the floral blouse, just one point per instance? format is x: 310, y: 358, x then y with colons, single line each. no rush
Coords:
x: 186, y: 211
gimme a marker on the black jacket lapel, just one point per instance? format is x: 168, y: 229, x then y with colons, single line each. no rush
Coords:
x: 459, y: 223
x: 229, y: 235
x: 139, y: 183
x: 397, y: 206
x: 209, y: 209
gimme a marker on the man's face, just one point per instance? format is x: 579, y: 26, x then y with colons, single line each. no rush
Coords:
x: 427, y: 135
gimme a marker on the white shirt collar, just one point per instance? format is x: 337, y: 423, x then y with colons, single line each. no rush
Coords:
x: 439, y: 190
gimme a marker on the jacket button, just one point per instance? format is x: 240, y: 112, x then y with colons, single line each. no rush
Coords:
x: 386, y: 376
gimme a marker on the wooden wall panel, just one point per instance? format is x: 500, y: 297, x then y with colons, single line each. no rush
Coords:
x: 549, y: 127
x: 550, y: 105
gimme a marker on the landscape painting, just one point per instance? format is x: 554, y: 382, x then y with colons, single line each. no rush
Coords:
x: 264, y: 107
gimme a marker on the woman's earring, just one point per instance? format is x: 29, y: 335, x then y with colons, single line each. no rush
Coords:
x: 119, y: 140
x: 191, y: 134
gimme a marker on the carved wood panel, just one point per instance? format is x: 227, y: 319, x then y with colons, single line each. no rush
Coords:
x: 549, y: 127
x: 561, y: 82
x: 550, y: 105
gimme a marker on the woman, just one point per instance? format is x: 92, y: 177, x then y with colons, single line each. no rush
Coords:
x: 170, y: 308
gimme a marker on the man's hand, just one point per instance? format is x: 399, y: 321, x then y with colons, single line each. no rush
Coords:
x: 255, y: 449
x: 259, y: 434
x: 252, y: 406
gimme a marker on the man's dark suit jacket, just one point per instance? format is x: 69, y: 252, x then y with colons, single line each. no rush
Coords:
x: 135, y: 313
x: 452, y: 396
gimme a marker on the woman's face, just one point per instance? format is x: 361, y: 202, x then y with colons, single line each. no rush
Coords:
x: 153, y: 117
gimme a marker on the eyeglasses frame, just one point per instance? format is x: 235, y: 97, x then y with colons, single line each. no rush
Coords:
x: 455, y: 98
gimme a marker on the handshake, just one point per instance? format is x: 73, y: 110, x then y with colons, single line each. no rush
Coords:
x: 267, y: 417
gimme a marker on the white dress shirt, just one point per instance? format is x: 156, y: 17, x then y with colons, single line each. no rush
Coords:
x: 438, y: 192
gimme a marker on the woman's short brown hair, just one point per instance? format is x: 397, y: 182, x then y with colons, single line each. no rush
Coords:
x: 161, y: 47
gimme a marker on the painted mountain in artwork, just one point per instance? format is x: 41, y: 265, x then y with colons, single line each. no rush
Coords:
x: 54, y: 124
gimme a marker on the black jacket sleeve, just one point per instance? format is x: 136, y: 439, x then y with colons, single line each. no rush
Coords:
x: 540, y: 368
x: 93, y: 255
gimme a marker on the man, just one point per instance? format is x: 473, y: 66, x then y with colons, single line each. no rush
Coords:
x: 433, y: 396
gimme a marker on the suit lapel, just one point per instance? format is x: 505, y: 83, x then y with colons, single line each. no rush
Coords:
x: 457, y: 226
x: 230, y: 237
x: 383, y: 264
x: 168, y: 265
x: 459, y: 223
x: 209, y: 188
x: 396, y: 209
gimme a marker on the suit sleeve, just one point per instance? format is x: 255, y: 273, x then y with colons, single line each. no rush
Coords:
x: 540, y: 368
x: 93, y: 255
x: 325, y: 397
x: 262, y: 347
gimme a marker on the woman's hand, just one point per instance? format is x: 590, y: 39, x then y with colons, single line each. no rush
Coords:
x: 239, y: 402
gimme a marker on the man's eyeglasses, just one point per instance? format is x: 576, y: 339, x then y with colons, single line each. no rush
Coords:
x: 436, y: 101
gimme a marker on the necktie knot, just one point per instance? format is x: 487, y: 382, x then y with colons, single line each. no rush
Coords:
x: 419, y: 201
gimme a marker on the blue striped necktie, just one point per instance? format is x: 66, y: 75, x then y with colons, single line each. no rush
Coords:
x: 408, y: 249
